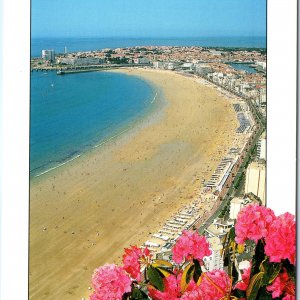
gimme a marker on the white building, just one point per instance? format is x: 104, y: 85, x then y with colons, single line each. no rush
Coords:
x: 187, y: 66
x: 215, y: 260
x: 262, y: 147
x: 48, y: 55
x: 236, y: 204
x: 170, y: 66
x: 256, y: 180
x: 203, y: 69
x: 262, y: 64
x: 225, y: 226
x: 80, y: 61
x: 158, y: 65
x: 141, y: 60
x: 215, y: 234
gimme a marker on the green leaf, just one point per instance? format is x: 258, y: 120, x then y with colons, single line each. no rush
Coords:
x: 160, y: 263
x: 198, y: 270
x: 155, y: 278
x: 238, y: 293
x: 263, y: 294
x: 186, y: 276
x: 232, y: 234
x: 230, y: 267
x: 271, y: 270
x: 164, y: 271
x: 263, y: 265
x: 254, y: 286
x: 138, y: 295
x: 258, y: 257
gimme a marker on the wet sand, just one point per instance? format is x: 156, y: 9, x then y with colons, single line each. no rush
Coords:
x: 84, y: 213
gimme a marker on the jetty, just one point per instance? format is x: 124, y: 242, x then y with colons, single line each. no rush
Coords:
x: 63, y: 70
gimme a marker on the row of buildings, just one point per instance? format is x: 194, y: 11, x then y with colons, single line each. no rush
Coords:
x: 216, y: 65
x: 178, y: 54
x: 254, y: 191
x: 250, y: 85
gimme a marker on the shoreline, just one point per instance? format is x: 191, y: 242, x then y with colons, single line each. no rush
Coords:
x: 85, y: 213
x: 137, y: 123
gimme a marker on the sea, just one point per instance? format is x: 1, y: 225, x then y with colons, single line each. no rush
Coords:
x: 71, y: 114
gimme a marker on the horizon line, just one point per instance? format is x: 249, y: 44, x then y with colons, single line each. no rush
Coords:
x: 153, y: 37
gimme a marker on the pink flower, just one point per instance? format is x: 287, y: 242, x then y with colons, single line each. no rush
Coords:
x: 282, y: 286
x: 215, y: 285
x: 193, y: 292
x: 289, y: 297
x: 171, y: 289
x: 281, y: 240
x: 110, y: 282
x: 133, y: 259
x: 190, y: 245
x: 243, y: 284
x: 252, y: 223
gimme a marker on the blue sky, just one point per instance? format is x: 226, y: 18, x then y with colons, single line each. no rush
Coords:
x: 147, y: 18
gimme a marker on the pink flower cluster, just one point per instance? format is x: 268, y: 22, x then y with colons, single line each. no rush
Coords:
x: 213, y: 286
x: 193, y: 292
x: 256, y: 222
x: 190, y: 245
x: 253, y: 223
x: 110, y: 282
x: 133, y: 259
x: 281, y: 239
x: 243, y: 284
x: 282, y: 286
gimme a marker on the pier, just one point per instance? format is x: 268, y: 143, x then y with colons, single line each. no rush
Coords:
x: 61, y: 70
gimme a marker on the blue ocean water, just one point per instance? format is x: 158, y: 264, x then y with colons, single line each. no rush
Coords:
x: 74, y: 112
x: 88, y: 44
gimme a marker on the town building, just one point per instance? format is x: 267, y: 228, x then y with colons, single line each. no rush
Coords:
x: 256, y: 180
x: 80, y: 61
x: 262, y: 147
x: 262, y: 64
x: 215, y: 234
x: 141, y: 60
x: 158, y: 64
x: 215, y: 260
x: 48, y: 55
x: 202, y: 69
x: 236, y: 204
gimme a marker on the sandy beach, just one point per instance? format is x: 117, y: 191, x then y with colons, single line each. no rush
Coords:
x: 84, y: 213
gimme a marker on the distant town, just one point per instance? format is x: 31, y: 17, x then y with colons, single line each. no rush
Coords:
x: 239, y: 70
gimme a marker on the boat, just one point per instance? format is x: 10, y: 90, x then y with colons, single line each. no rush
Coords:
x: 60, y: 72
